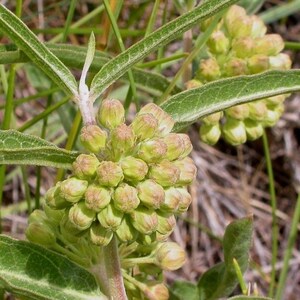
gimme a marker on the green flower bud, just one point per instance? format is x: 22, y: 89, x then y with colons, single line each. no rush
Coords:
x: 85, y: 166
x: 110, y: 217
x: 170, y: 256
x: 257, y: 110
x: 109, y: 174
x: 126, y: 233
x: 55, y: 215
x: 235, y: 67
x: 72, y: 189
x: 212, y: 119
x: 243, y: 47
x: 134, y: 169
x: 68, y: 230
x: 191, y: 84
x: 254, y: 129
x: 126, y: 198
x: 144, y: 220
x: 218, y: 43
x: 280, y: 62
x: 259, y: 28
x: 152, y: 151
x: 156, y: 290
x: 188, y: 147
x: 187, y: 169
x: 210, y: 134
x: 209, y: 69
x: 234, y: 132
x: 233, y: 13
x: 38, y: 216
x: 54, y: 200
x: 270, y: 44
x: 275, y: 100
x: 240, y: 26
x: 97, y: 197
x: 175, y: 145
x: 147, y: 240
x: 273, y: 116
x: 81, y: 217
x: 150, y: 193
x: 185, y: 201
x: 93, y: 138
x: 40, y: 233
x: 166, y: 223
x: 164, y: 173
x: 144, y: 126
x: 239, y: 112
x: 122, y: 140
x: 258, y: 63
x: 99, y: 235
x: 111, y: 113
x: 172, y: 200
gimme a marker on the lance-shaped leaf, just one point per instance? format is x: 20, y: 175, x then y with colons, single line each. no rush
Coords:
x: 188, y: 106
x: 220, y: 280
x: 115, y: 68
x: 33, y: 272
x: 20, y: 34
x: 24, y: 149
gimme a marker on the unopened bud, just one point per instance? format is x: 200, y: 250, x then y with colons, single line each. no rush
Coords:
x: 93, y: 138
x: 218, y: 43
x: 72, y: 189
x: 209, y: 69
x: 110, y: 217
x: 259, y: 28
x: 234, y: 132
x: 270, y: 44
x: 99, y: 235
x: 172, y: 200
x: 258, y: 63
x: 254, y: 129
x: 210, y: 134
x: 111, y: 113
x: 164, y: 173
x: 235, y: 67
x: 126, y: 198
x: 54, y: 200
x: 188, y: 147
x: 280, y: 62
x: 97, y: 197
x: 185, y: 201
x: 134, y: 169
x: 273, y: 115
x: 239, y: 112
x: 166, y: 223
x: 187, y: 169
x: 151, y: 193
x: 175, y: 146
x: 257, y: 110
x: 152, y: 151
x: 144, y: 220
x: 37, y: 216
x: 240, y: 26
x: 233, y: 13
x: 157, y: 291
x: 81, y: 216
x: 68, y: 230
x: 40, y: 233
x: 243, y: 47
x: 170, y: 256
x: 212, y: 119
x: 191, y: 84
x: 275, y: 100
x: 126, y: 232
x: 84, y: 167
x: 144, y: 126
x: 55, y: 215
x: 109, y: 174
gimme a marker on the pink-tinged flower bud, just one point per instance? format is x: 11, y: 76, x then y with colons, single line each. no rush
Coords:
x: 192, y: 84
x: 97, y: 197
x: 243, y: 47
x: 240, y: 27
x: 72, y: 189
x: 166, y: 223
x: 55, y: 215
x: 254, y: 129
x: 209, y: 69
x: 111, y: 113
x: 110, y: 217
x: 170, y: 256
x: 164, y: 173
x: 258, y: 63
x: 40, y: 233
x: 93, y: 138
x: 126, y: 198
x: 144, y: 220
x: 188, y: 147
x: 122, y: 140
x: 239, y: 112
x: 185, y: 201
x: 99, y: 235
x: 234, y: 132
x: 213, y: 119
x: 134, y: 169
x: 187, y: 169
x: 109, y: 174
x: 157, y: 291
x: 81, y: 217
x: 235, y: 67
x: 144, y: 126
x: 210, y: 134
x: 126, y: 233
x: 218, y: 43
x: 152, y: 151
x: 172, y: 200
x: 259, y: 28
x: 233, y: 13
x: 151, y: 193
x: 54, y: 200
x: 175, y: 146
x: 85, y: 166
x: 280, y: 62
x: 270, y: 44
x: 257, y: 110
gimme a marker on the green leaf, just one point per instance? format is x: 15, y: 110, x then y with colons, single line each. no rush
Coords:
x: 249, y: 298
x: 183, y: 290
x: 188, y: 106
x: 24, y: 149
x: 221, y: 280
x: 18, y: 32
x: 31, y: 271
x: 116, y: 67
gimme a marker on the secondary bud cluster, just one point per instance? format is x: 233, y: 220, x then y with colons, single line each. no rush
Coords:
x: 240, y: 46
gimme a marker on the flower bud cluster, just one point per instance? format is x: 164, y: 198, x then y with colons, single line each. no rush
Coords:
x: 240, y: 46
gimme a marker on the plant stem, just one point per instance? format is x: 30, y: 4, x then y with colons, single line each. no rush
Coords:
x: 113, y: 270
